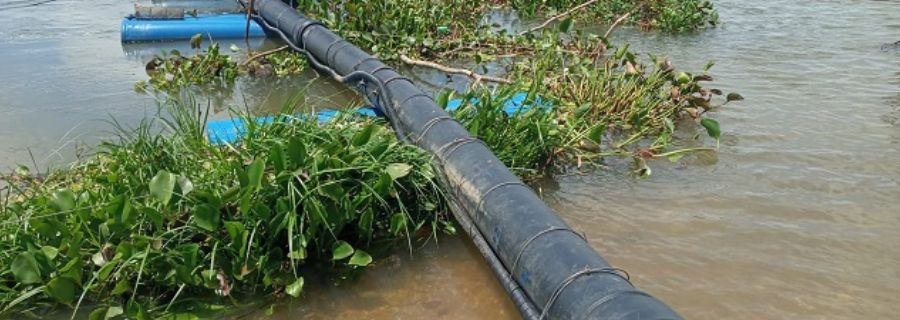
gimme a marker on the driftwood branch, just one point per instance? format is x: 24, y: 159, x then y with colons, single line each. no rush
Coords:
x: 471, y: 74
x: 262, y: 54
x: 601, y: 46
x: 615, y: 24
x: 559, y: 16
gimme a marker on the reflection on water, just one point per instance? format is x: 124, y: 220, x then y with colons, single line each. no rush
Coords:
x: 797, y: 216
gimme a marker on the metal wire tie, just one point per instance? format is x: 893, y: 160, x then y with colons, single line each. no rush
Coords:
x: 484, y: 195
x: 428, y: 125
x: 538, y: 235
x: 571, y: 279
x: 609, y: 297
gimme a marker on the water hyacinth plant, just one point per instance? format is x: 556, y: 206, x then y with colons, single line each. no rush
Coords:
x: 172, y: 71
x: 156, y: 221
x: 666, y: 15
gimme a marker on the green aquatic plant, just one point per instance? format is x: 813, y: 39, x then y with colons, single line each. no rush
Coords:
x: 600, y: 101
x: 172, y: 70
x: 160, y: 224
x: 665, y: 15
x: 450, y: 28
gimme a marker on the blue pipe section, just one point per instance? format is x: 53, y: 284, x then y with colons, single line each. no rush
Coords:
x: 229, y: 26
x: 220, y: 132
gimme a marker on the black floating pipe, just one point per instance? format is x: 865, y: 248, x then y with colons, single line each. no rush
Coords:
x: 559, y: 272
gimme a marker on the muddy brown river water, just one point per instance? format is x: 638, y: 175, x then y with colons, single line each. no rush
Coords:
x: 797, y: 216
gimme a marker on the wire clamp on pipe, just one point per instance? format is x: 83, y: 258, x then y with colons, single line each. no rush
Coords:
x: 571, y: 279
x: 428, y: 125
x: 479, y: 209
x: 445, y: 151
x: 610, y: 297
x: 538, y: 235
x: 360, y: 62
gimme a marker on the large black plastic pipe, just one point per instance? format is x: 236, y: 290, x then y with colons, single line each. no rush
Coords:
x: 557, y: 269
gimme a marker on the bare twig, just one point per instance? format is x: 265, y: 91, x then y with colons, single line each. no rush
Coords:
x: 36, y: 168
x: 247, y: 27
x: 615, y: 24
x: 601, y: 46
x: 263, y: 54
x: 557, y: 17
x: 471, y: 74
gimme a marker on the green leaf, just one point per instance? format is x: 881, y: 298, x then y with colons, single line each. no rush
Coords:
x: 294, y: 289
x: 296, y: 151
x: 712, y: 127
x: 398, y: 223
x: 383, y: 185
x: 398, y: 170
x: 107, y: 269
x: 277, y: 157
x: 365, y: 223
x: 62, y: 289
x: 360, y: 258
x: 444, y: 98
x: 25, y: 268
x: 22, y: 171
x: 566, y: 25
x: 185, y: 185
x: 683, y: 78
x: 363, y: 136
x: 98, y: 314
x: 255, y: 174
x: 50, y: 252
x: 596, y: 133
x: 206, y: 216
x: 734, y: 96
x: 333, y: 191
x: 122, y: 286
x: 161, y: 186
x: 298, y: 254
x: 113, y: 312
x: 64, y: 199
x: 342, y: 250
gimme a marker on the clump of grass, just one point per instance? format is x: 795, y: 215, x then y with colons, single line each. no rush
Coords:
x: 158, y: 220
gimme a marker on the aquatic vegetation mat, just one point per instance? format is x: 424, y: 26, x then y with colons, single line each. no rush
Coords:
x: 172, y: 71
x: 158, y: 223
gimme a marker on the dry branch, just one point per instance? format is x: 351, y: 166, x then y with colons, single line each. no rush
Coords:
x: 557, y: 17
x: 471, y: 74
x: 262, y: 54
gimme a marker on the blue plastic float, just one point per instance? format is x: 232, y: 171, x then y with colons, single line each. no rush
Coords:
x: 228, y: 26
x: 230, y: 130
